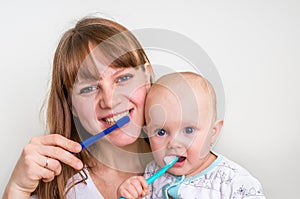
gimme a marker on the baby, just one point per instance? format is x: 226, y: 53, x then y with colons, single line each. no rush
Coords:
x: 181, y: 120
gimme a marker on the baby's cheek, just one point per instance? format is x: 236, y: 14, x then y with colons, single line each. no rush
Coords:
x: 157, y: 147
x: 202, y: 149
x: 158, y: 154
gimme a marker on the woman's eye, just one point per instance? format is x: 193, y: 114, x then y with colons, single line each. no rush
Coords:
x: 161, y: 132
x: 88, y: 89
x: 124, y: 78
x: 189, y: 130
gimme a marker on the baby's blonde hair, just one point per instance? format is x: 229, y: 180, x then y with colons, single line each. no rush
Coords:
x: 194, y: 80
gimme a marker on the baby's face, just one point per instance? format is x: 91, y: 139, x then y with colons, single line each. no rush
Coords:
x: 179, y: 122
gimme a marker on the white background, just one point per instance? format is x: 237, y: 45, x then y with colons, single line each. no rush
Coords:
x: 254, y: 44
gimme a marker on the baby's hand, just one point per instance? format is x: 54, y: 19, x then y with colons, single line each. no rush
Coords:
x: 133, y: 187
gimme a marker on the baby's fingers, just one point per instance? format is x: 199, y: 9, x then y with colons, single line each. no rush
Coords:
x: 140, y: 185
x: 144, y: 184
x: 125, y: 194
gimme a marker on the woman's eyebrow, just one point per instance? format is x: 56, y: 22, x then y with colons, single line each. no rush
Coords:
x: 114, y: 73
x: 84, y: 82
x: 119, y: 71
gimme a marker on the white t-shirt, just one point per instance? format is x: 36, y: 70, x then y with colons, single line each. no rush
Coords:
x: 82, y: 190
x: 223, y: 179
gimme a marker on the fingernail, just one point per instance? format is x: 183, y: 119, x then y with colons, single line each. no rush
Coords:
x: 79, y: 165
x: 78, y: 147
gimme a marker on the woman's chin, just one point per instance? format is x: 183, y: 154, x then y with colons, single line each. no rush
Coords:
x: 121, y: 139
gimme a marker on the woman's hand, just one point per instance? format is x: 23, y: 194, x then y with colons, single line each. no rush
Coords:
x: 133, y: 187
x: 41, y: 160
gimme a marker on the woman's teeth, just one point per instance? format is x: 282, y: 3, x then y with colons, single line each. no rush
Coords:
x: 115, y: 118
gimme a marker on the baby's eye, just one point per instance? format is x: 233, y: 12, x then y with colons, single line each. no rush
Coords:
x: 189, y: 130
x: 88, y: 89
x: 161, y: 132
x: 124, y: 78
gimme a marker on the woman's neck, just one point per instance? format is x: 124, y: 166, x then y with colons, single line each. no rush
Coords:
x: 129, y: 159
x: 113, y: 165
x: 107, y: 180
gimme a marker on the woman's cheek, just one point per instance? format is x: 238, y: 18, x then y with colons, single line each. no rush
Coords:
x: 139, y: 96
x: 84, y: 109
x: 137, y: 100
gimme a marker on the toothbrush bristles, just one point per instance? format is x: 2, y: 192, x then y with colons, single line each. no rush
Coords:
x: 169, y: 159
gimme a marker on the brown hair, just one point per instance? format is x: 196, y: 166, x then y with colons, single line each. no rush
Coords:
x: 70, y: 54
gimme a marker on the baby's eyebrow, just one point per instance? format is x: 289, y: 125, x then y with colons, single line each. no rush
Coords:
x: 154, y: 127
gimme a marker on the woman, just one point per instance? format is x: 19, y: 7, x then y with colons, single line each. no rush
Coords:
x: 100, y: 73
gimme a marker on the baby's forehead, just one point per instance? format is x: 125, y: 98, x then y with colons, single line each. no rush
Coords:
x: 182, y: 84
x: 183, y: 95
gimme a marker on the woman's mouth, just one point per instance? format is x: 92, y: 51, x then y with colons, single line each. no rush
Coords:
x: 111, y: 120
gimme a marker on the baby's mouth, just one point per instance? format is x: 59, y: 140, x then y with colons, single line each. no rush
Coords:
x: 113, y: 119
x: 181, y: 158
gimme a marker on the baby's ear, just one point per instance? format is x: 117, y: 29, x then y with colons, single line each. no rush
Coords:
x: 215, y: 131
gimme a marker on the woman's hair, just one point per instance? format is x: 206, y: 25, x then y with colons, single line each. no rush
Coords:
x: 74, y: 47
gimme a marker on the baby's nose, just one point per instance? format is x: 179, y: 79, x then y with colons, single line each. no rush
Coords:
x: 180, y: 141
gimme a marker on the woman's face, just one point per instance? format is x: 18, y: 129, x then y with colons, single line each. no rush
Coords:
x: 100, y: 102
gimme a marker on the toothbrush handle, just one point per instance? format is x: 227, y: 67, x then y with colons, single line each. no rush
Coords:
x: 159, y: 173
x: 84, y: 144
x: 121, y: 122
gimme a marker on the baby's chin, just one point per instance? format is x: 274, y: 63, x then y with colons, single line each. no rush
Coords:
x: 176, y: 171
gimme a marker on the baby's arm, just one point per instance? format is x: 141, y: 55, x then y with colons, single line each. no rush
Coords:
x: 133, y: 187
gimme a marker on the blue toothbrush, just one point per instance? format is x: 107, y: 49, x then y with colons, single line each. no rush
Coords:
x: 91, y: 140
x: 170, y: 161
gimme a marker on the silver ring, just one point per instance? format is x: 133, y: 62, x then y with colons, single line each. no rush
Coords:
x: 46, y: 163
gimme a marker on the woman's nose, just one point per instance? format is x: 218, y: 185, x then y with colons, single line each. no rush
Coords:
x: 108, y: 98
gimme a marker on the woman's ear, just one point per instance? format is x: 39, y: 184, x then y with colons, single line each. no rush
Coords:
x: 149, y: 74
x: 215, y: 131
x: 74, y: 111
